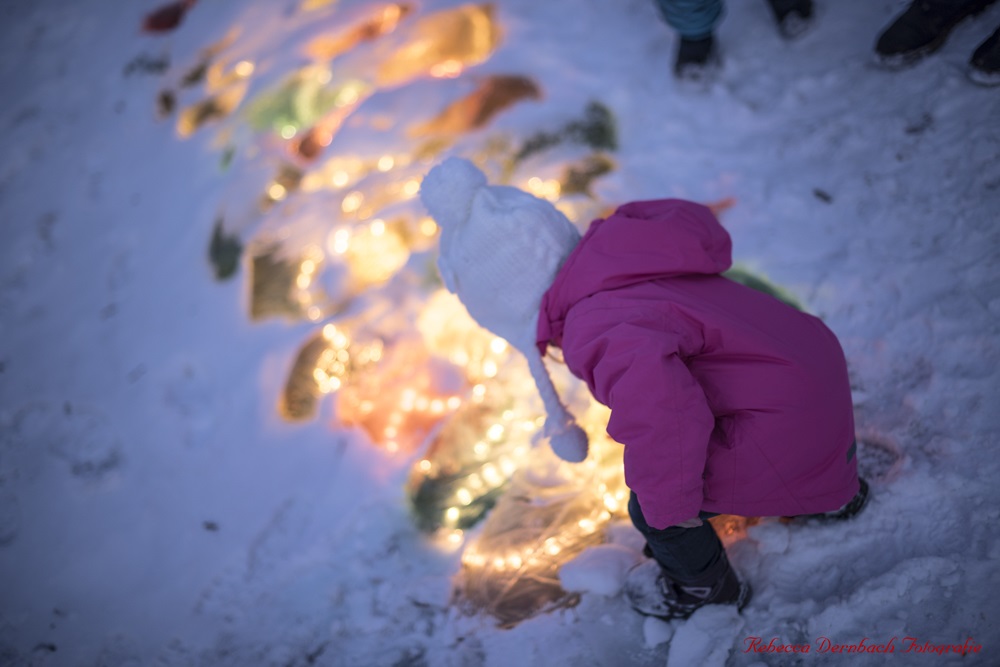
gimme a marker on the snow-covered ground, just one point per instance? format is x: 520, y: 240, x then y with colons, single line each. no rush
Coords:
x: 155, y: 510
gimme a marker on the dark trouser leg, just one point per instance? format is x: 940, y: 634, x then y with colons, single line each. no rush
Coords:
x: 687, y: 555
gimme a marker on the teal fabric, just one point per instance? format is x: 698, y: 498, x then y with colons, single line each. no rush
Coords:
x: 692, y: 19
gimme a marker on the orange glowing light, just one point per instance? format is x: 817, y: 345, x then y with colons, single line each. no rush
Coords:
x: 383, y: 22
x: 400, y: 400
x: 209, y: 110
x: 492, y: 95
x: 449, y: 69
x: 442, y: 44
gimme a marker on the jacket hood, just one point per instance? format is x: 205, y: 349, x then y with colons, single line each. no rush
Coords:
x: 640, y: 241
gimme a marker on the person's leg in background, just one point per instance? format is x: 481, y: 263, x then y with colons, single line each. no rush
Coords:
x: 792, y: 16
x: 923, y: 28
x: 695, y: 21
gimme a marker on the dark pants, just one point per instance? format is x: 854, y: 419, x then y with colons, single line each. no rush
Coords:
x: 687, y: 555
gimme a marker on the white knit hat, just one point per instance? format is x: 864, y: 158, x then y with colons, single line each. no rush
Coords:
x: 500, y: 251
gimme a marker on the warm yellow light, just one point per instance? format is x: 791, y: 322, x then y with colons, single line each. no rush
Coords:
x: 449, y: 69
x: 244, y: 68
x: 340, y: 179
x: 352, y: 202
x: 479, y: 390
x: 464, y: 496
x: 428, y: 227
x: 495, y: 432
x: 312, y: 182
x: 451, y: 515
x: 339, y: 241
x: 498, y: 345
x: 313, y: 313
x: 277, y: 191
x: 408, y: 399
x: 547, y: 189
x: 490, y: 368
x: 481, y: 449
x: 611, y: 502
x: 425, y: 465
x: 385, y: 163
x: 491, y: 475
x: 349, y: 95
x: 552, y: 189
x: 411, y: 187
x: 507, y: 466
x: 455, y: 537
x: 376, y: 252
x: 454, y: 402
x: 587, y: 525
x: 303, y: 280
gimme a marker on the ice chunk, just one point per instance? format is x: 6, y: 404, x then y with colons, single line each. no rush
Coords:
x: 599, y: 569
x: 706, y: 638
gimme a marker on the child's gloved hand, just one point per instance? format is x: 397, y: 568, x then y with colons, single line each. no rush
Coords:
x: 690, y: 523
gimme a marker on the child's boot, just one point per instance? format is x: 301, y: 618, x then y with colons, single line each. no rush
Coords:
x: 792, y: 16
x: 922, y: 29
x: 984, y: 67
x: 697, y: 60
x: 652, y: 592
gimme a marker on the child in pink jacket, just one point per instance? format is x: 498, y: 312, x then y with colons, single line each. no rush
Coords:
x: 727, y: 401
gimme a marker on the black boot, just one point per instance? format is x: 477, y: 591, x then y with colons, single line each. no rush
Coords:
x: 922, y: 29
x: 984, y: 67
x: 793, y: 17
x: 652, y: 592
x: 697, y: 59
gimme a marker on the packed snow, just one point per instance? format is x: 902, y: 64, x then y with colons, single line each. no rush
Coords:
x: 155, y: 510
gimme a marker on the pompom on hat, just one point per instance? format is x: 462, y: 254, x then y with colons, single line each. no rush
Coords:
x: 500, y: 250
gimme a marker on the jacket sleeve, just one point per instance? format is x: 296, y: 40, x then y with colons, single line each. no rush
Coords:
x: 632, y: 364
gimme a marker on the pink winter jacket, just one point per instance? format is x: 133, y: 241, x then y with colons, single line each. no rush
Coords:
x: 725, y: 399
